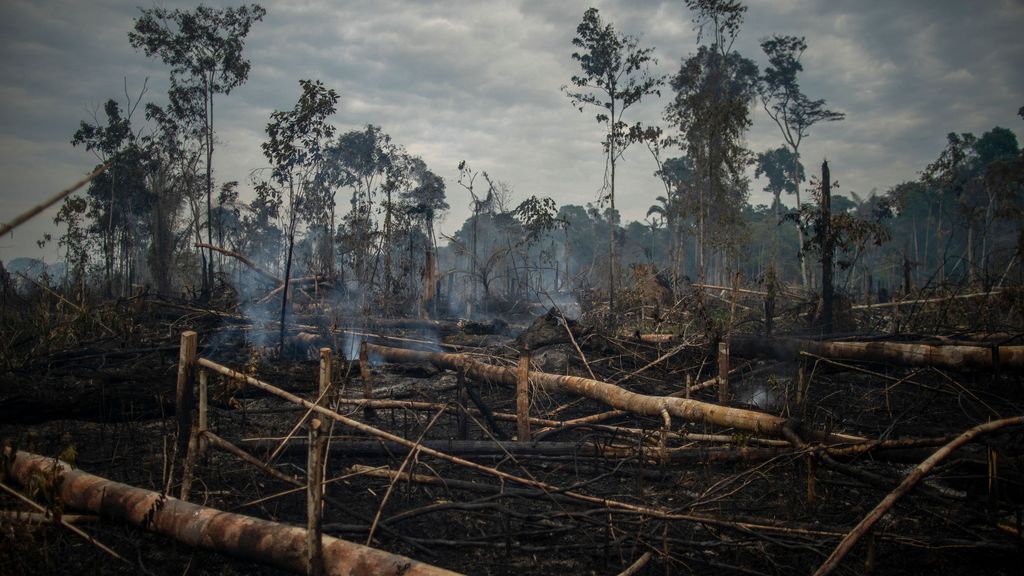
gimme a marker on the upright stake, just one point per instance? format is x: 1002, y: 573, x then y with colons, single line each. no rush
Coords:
x: 801, y: 385
x: 325, y: 376
x: 184, y: 397
x: 203, y: 409
x: 460, y: 379
x: 314, y: 500
x: 364, y: 371
x: 523, y: 394
x: 811, y: 492
x: 723, y: 373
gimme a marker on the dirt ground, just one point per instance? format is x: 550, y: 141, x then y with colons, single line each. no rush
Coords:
x: 108, y: 405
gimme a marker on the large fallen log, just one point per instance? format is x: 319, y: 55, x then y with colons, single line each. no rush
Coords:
x: 958, y: 357
x: 245, y: 537
x: 614, y: 396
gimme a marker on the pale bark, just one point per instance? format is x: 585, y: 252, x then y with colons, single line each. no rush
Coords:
x: 245, y: 537
x: 614, y: 396
x: 897, y: 353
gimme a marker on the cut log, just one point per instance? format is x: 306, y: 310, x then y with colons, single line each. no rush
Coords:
x: 956, y: 357
x: 614, y: 396
x: 245, y: 537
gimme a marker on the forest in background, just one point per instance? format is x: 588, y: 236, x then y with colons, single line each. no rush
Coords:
x: 355, y: 209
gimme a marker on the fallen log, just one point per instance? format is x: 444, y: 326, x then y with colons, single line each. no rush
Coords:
x: 614, y: 396
x: 438, y: 326
x: 897, y: 303
x: 957, y: 357
x: 245, y: 537
x: 609, y: 503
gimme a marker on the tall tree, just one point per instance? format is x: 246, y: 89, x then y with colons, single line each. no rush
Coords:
x: 789, y: 107
x: 677, y: 176
x: 714, y: 90
x: 119, y: 198
x: 203, y: 47
x: 296, y: 140
x: 614, y: 75
x: 363, y: 159
x: 778, y: 165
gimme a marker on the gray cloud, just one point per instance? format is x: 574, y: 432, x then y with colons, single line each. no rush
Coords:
x: 480, y: 81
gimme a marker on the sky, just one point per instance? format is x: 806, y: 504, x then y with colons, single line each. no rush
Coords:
x: 481, y: 81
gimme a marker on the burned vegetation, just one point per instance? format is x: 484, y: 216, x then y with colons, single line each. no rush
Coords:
x: 191, y: 445
x: 218, y: 385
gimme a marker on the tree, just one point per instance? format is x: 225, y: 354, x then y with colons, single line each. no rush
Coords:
x: 846, y: 234
x: 296, y: 140
x: 425, y: 203
x: 76, y: 243
x: 363, y: 160
x: 615, y: 75
x: 480, y: 205
x: 119, y: 198
x: 787, y: 105
x: 677, y: 176
x: 711, y: 109
x: 203, y: 47
x: 777, y: 165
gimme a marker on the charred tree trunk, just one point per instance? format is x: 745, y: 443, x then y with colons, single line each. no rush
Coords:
x: 826, y: 250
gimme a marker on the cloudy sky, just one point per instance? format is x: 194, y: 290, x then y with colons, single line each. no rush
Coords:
x: 480, y: 81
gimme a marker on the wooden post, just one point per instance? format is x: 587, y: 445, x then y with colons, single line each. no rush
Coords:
x: 325, y: 376
x: 523, y: 394
x: 314, y: 500
x: 203, y: 425
x: 666, y: 429
x: 367, y: 376
x: 723, y: 373
x: 801, y: 385
x: 460, y: 379
x: 811, y: 492
x: 184, y: 397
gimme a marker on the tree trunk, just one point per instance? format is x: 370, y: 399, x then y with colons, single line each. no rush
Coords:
x: 208, y: 284
x: 960, y: 357
x: 245, y: 537
x: 611, y: 221
x: 799, y: 205
x: 287, y: 268
x: 826, y: 250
